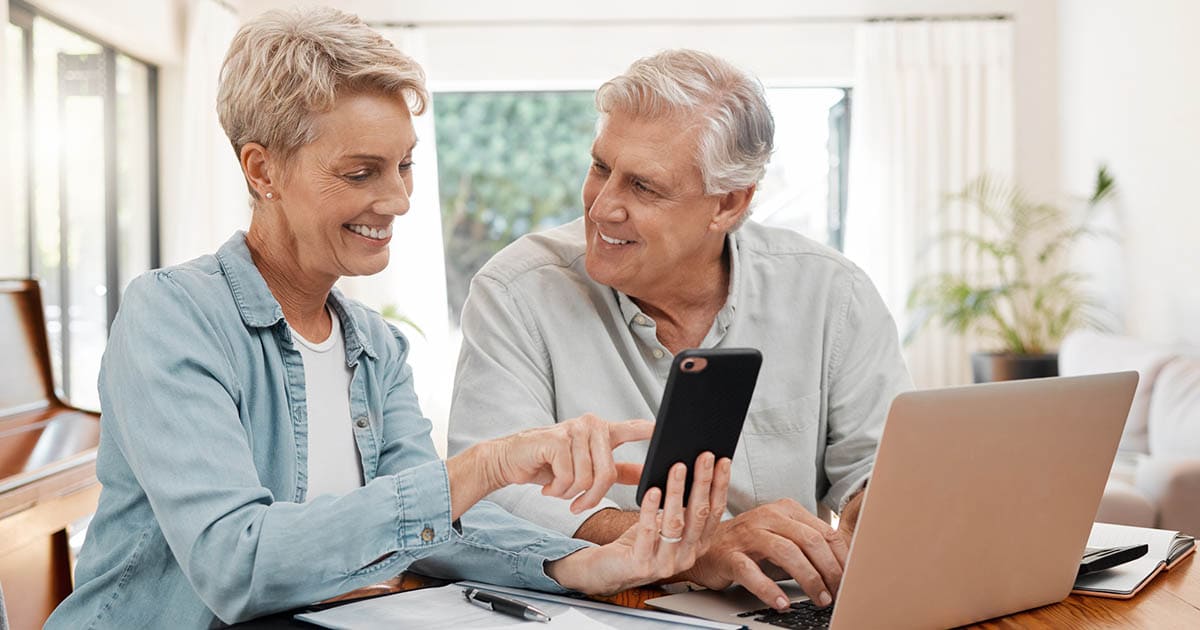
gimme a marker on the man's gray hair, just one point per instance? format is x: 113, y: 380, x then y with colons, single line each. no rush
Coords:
x: 739, y: 132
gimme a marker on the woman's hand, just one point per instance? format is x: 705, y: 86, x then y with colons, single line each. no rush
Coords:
x: 662, y: 543
x: 570, y: 460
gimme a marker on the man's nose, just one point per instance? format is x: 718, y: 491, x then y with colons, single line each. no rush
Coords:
x: 608, y: 206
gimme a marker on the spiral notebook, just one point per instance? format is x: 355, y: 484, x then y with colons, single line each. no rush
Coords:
x: 1167, y: 549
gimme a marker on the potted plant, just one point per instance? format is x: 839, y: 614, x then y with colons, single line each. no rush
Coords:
x: 1025, y: 297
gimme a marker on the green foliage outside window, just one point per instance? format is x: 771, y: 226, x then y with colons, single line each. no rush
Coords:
x: 509, y: 163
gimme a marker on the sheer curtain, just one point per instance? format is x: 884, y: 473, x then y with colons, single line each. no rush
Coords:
x: 414, y: 284
x: 211, y: 200
x: 933, y: 108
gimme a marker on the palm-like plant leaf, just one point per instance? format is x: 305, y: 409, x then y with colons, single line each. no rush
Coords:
x: 1032, y: 305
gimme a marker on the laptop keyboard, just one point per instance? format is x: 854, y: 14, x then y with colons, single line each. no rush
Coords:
x: 801, y: 616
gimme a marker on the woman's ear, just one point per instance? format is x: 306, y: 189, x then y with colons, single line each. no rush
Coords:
x: 732, y: 207
x: 255, y: 162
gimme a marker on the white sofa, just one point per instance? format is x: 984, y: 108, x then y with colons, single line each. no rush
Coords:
x: 1155, y: 481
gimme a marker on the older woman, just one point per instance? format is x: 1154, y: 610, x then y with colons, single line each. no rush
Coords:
x: 664, y: 260
x: 261, y: 445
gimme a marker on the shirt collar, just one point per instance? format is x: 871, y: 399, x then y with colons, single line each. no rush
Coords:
x: 630, y: 310
x: 259, y: 308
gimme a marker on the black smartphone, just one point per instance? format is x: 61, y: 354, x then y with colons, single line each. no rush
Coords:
x: 1106, y: 558
x: 703, y: 409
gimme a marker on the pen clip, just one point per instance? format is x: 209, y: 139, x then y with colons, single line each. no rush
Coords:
x: 468, y: 592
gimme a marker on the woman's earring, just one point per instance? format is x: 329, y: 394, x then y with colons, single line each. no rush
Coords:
x: 270, y: 195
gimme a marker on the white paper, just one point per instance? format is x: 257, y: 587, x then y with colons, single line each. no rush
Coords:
x: 446, y: 608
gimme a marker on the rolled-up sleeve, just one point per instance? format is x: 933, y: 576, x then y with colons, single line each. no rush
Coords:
x: 504, y: 384
x: 490, y: 544
x: 866, y: 371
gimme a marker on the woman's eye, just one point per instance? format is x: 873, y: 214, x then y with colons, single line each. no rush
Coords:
x: 359, y: 176
x: 406, y: 166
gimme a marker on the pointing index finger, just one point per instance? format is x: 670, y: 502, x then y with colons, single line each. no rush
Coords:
x: 629, y: 431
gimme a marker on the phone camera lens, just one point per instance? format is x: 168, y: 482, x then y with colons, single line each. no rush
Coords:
x: 689, y: 364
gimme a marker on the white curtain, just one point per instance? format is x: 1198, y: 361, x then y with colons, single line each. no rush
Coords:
x: 414, y: 283
x: 211, y: 201
x: 932, y: 109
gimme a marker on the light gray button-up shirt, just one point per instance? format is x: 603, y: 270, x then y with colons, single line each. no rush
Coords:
x: 543, y: 342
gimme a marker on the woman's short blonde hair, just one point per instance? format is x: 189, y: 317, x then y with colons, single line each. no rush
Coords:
x: 285, y: 65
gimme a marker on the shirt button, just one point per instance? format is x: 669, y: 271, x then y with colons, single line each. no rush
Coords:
x: 361, y: 423
x: 427, y: 534
x: 658, y: 354
x: 639, y: 320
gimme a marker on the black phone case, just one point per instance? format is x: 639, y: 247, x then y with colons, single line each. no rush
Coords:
x: 700, y: 411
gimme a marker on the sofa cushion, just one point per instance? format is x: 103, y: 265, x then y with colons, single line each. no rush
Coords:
x: 1090, y: 352
x: 1174, y: 413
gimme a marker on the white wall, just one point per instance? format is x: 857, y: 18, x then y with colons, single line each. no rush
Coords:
x: 1130, y: 98
x: 150, y: 30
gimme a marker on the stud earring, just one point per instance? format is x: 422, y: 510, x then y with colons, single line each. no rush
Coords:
x: 270, y: 195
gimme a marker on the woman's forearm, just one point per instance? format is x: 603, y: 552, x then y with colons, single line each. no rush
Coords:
x: 472, y: 477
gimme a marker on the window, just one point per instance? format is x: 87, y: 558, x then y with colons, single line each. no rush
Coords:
x: 82, y: 118
x: 510, y: 163
x: 804, y: 188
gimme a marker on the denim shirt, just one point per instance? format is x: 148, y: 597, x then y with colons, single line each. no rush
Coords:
x: 203, y: 459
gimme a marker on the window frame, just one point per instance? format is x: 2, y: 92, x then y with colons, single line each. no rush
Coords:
x: 22, y: 15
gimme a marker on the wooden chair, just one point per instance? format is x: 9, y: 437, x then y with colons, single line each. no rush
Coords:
x: 47, y: 463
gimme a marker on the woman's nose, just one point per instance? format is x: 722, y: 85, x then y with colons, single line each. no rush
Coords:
x: 397, y: 200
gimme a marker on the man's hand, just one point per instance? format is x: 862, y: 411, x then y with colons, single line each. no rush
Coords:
x: 787, y: 541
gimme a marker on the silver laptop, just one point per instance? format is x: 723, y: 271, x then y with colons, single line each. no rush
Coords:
x: 979, y: 506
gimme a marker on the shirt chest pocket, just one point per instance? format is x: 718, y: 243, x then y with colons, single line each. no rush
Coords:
x: 780, y: 447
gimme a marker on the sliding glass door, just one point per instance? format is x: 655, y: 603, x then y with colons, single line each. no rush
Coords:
x: 82, y: 118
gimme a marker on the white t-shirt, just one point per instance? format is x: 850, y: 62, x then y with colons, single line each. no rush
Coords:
x: 334, y: 466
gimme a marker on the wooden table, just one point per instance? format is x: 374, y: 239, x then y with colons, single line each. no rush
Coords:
x: 1172, y: 600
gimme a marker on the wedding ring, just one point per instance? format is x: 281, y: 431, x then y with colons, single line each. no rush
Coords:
x: 669, y: 539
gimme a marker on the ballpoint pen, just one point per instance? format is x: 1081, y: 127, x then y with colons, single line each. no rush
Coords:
x: 506, y: 605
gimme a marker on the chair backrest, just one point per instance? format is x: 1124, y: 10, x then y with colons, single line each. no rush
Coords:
x: 27, y: 384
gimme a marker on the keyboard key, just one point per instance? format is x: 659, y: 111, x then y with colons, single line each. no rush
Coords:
x: 801, y: 616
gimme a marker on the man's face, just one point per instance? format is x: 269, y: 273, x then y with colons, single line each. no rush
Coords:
x: 648, y: 221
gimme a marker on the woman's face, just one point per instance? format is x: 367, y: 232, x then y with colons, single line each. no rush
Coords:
x: 339, y: 194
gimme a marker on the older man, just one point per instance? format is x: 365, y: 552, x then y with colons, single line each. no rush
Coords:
x: 587, y: 317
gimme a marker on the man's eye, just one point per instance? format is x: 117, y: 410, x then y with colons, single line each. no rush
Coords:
x: 406, y: 166
x: 599, y: 168
x: 640, y: 187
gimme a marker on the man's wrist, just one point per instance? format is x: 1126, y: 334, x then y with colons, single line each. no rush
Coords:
x: 848, y: 519
x: 606, y: 525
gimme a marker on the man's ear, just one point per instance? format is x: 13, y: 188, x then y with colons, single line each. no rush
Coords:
x: 255, y: 161
x: 732, y: 207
